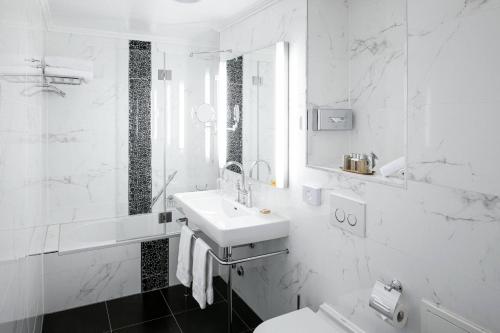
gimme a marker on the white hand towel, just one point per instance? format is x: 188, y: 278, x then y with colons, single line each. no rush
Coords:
x: 184, y: 258
x: 202, y: 274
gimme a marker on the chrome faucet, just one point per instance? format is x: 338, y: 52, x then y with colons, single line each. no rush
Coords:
x: 241, y: 187
x: 250, y: 173
x: 256, y: 163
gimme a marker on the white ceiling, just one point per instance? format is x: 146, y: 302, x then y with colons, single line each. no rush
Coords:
x: 147, y: 16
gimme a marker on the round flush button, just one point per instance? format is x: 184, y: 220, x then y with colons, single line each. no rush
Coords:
x: 340, y: 215
x: 352, y: 220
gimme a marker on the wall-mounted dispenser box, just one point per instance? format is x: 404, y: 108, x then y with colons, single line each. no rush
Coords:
x: 311, y: 194
x: 327, y: 119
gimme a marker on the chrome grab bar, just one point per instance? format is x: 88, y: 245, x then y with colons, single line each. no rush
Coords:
x: 239, y: 261
x: 157, y: 197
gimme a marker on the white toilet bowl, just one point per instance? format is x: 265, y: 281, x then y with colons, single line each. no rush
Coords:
x: 326, y: 320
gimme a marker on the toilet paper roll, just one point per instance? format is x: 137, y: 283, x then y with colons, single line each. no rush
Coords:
x: 388, y: 305
x: 393, y: 167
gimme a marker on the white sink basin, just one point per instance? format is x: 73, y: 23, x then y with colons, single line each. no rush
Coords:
x: 229, y: 223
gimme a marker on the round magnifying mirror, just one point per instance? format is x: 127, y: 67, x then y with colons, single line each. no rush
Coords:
x: 205, y: 113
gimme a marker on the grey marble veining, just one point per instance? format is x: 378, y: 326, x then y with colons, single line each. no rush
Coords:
x: 439, y: 234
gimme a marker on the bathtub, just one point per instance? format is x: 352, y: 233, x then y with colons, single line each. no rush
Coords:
x: 87, y: 235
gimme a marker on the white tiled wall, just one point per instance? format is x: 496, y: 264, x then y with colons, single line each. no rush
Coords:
x: 21, y: 173
x: 86, y: 157
x: 93, y: 276
x: 357, y: 60
x: 440, y: 236
x: 87, y: 133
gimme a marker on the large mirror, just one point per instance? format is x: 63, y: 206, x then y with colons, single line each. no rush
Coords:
x: 256, y: 114
x: 356, y: 87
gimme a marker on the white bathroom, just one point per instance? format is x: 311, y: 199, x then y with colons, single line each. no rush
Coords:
x: 218, y: 166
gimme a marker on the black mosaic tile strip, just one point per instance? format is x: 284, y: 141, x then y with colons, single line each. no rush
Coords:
x: 139, y: 45
x: 235, y: 98
x: 154, y: 258
x: 140, y: 182
x: 154, y: 254
x: 154, y: 282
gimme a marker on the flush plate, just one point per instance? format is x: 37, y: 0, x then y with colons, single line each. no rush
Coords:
x: 348, y: 214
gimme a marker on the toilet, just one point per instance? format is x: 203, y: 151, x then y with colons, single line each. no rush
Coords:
x: 326, y: 320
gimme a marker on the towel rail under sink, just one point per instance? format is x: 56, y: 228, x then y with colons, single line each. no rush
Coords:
x: 227, y: 261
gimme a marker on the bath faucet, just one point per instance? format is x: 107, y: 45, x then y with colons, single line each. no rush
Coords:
x: 250, y: 173
x: 240, y: 184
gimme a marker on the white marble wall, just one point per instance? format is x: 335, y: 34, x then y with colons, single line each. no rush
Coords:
x: 453, y: 93
x: 86, y: 156
x: 21, y: 172
x: 93, y: 276
x: 87, y: 133
x: 440, y: 236
x: 357, y: 60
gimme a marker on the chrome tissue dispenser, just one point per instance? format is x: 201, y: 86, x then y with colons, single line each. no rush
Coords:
x: 328, y: 119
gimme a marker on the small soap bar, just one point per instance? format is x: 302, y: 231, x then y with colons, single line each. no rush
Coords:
x: 265, y: 211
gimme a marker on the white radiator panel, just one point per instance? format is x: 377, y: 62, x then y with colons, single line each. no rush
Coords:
x: 439, y: 320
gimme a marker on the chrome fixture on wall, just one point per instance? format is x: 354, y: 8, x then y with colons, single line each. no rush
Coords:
x: 241, y: 186
x: 169, y: 180
x: 250, y: 174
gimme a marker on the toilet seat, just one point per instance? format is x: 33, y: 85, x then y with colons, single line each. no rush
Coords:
x: 326, y: 320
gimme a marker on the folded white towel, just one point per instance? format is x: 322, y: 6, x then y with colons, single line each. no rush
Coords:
x: 184, y: 257
x: 203, y: 291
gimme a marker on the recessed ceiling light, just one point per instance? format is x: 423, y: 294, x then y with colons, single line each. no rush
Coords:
x: 187, y: 1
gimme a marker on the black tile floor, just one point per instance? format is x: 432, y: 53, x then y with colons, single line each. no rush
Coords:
x: 166, y: 311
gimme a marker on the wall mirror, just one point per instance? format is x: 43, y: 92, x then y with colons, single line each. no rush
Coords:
x: 253, y: 123
x: 356, y: 87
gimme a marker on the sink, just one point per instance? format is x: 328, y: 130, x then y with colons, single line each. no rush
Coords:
x: 229, y: 223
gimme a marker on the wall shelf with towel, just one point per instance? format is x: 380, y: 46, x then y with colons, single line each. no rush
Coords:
x: 44, y: 74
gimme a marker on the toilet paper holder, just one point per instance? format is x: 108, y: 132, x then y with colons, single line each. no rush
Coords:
x: 394, y: 285
x: 385, y: 299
